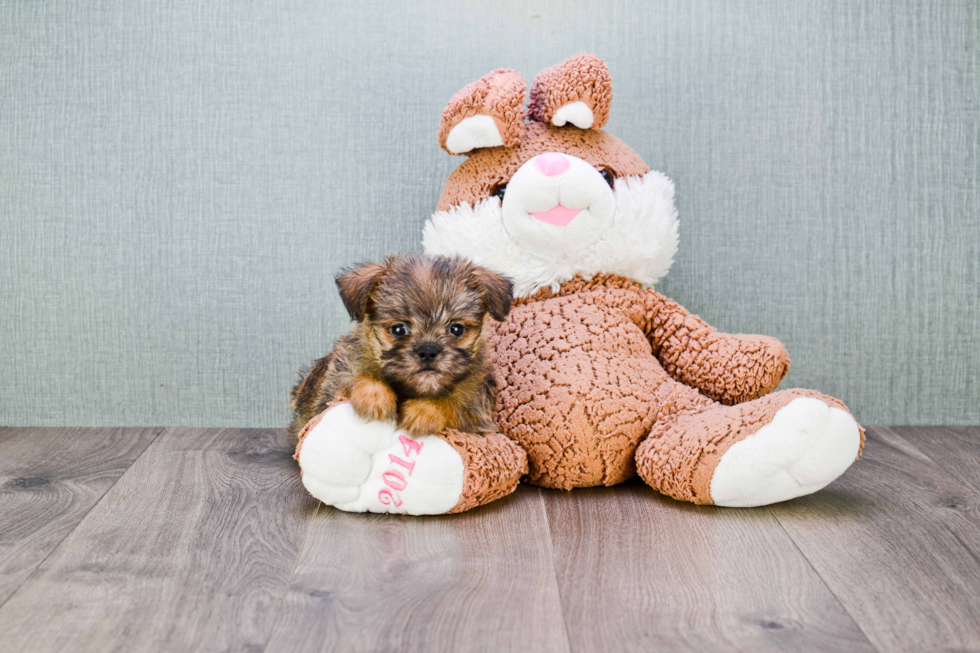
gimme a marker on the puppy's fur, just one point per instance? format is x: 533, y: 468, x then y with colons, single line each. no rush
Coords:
x: 416, y: 352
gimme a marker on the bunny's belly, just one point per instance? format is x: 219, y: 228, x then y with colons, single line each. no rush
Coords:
x: 577, y: 389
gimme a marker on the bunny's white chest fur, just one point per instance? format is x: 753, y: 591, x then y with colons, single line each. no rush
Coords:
x: 637, y: 239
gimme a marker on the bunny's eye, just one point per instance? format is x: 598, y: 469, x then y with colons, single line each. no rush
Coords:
x: 499, y: 191
x: 608, y: 176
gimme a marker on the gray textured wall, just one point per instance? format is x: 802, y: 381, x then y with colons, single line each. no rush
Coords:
x: 179, y: 182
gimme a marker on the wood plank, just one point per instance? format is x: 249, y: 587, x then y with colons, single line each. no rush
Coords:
x: 191, y: 550
x: 640, y: 572
x: 479, y: 581
x: 954, y: 448
x: 49, y: 480
x: 897, y: 539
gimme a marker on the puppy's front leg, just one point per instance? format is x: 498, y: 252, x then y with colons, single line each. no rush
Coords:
x: 372, y: 399
x: 425, y: 416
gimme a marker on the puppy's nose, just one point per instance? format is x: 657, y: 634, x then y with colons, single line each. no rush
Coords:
x: 551, y: 163
x: 428, y: 352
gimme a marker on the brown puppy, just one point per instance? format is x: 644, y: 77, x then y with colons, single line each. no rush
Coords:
x: 417, y: 352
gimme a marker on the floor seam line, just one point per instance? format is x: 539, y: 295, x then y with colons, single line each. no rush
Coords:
x: 292, y: 574
x: 159, y: 430
x: 822, y: 579
x: 554, y: 569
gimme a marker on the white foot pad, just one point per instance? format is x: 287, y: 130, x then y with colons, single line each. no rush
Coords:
x: 807, y: 445
x: 361, y: 466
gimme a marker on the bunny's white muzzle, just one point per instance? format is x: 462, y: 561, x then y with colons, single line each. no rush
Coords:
x: 556, y: 203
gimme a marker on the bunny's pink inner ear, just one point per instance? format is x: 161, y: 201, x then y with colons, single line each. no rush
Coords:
x: 577, y: 92
x: 487, y: 113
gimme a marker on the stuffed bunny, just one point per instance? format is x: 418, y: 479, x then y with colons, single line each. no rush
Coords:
x: 599, y: 377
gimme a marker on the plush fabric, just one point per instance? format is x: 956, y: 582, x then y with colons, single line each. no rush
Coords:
x: 493, y: 465
x: 804, y: 438
x: 498, y: 96
x: 590, y: 370
x: 486, y: 169
x: 599, y: 376
x: 640, y: 242
x: 581, y: 80
x: 362, y: 466
x: 577, y: 113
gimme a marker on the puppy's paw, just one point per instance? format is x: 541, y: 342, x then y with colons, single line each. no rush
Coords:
x: 372, y: 399
x: 423, y: 417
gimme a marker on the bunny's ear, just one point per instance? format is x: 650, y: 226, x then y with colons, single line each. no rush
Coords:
x: 578, y: 91
x: 487, y: 113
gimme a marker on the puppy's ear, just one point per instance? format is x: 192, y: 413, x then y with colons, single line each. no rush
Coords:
x: 487, y: 113
x: 497, y: 291
x: 576, y: 91
x: 355, y: 288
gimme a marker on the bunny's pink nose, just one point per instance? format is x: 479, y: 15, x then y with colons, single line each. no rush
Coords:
x: 551, y: 163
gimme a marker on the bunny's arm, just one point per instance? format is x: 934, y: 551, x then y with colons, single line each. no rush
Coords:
x: 728, y: 368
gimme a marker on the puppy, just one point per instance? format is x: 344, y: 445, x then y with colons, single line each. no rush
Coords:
x: 416, y: 353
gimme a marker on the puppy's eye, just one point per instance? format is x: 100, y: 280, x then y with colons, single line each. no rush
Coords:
x: 499, y: 192
x: 456, y: 329
x: 608, y: 176
x: 398, y: 330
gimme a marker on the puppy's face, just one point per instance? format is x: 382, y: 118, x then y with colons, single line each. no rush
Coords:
x: 423, y: 318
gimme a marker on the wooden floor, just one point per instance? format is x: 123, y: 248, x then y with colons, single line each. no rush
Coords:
x: 187, y: 540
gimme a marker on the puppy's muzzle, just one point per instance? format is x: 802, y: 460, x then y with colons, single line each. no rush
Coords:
x: 428, y: 352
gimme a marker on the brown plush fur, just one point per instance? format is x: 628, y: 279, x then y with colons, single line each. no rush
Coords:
x: 500, y: 95
x: 583, y: 78
x: 488, y: 169
x: 603, y: 378
x: 417, y: 352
